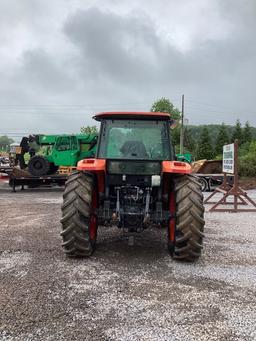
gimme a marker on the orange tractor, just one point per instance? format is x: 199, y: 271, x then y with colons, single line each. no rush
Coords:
x: 133, y: 182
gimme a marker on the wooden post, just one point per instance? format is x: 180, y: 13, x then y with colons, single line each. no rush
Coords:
x: 182, y: 127
x: 235, y: 187
x: 234, y: 191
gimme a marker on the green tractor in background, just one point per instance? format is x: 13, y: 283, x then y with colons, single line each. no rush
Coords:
x: 60, y: 150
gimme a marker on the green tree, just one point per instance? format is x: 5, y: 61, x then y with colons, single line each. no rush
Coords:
x: 175, y: 135
x: 237, y: 133
x: 164, y: 105
x: 5, y: 142
x: 247, y: 133
x: 89, y: 130
x: 247, y: 159
x: 204, y: 147
x: 189, y: 142
x: 222, y: 139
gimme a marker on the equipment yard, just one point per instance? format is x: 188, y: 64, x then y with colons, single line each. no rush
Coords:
x: 122, y: 292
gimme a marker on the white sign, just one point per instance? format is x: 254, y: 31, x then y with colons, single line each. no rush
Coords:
x: 228, y: 159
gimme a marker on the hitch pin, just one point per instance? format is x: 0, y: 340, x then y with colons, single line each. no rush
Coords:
x: 116, y: 215
x: 147, y: 217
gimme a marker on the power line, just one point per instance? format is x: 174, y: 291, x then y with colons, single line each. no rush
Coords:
x: 71, y: 104
x: 76, y: 106
x: 68, y: 110
x: 219, y: 106
x: 208, y: 104
x: 81, y: 104
x: 227, y: 114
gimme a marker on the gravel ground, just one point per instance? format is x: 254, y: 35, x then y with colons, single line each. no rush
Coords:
x: 123, y: 292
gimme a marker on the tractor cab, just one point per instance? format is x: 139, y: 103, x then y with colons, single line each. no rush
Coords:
x: 141, y: 136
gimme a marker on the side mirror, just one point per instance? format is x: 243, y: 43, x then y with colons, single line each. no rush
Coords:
x: 173, y: 123
x: 93, y: 143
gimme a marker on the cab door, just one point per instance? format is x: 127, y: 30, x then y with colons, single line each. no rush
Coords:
x: 74, y: 152
x: 62, y: 151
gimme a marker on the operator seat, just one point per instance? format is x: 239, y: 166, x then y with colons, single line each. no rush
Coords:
x: 134, y: 148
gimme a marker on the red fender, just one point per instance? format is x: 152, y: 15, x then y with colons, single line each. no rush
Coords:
x: 96, y: 166
x: 176, y: 167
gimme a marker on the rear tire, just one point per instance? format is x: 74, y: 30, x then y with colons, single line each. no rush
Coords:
x: 38, y: 165
x: 189, y: 222
x: 79, y: 222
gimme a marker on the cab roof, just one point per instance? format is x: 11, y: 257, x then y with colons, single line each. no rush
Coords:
x: 132, y: 115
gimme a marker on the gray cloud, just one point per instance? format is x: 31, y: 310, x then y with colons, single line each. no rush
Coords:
x: 120, y: 48
x: 131, y: 53
x: 40, y: 71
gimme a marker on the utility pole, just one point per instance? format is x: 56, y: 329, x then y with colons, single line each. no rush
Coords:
x: 182, y: 127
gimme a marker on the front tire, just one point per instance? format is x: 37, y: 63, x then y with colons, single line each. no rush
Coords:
x: 38, y: 165
x: 185, y: 239
x: 79, y: 220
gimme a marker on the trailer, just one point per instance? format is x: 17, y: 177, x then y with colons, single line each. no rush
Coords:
x: 210, y: 181
x: 20, y: 178
x: 210, y: 174
x: 36, y: 181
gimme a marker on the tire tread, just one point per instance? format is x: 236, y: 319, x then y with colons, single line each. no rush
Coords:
x: 76, y: 210
x: 189, y: 218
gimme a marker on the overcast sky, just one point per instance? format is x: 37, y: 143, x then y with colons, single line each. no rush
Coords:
x: 62, y: 61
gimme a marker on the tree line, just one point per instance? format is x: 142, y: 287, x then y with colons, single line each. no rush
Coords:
x: 206, y: 141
